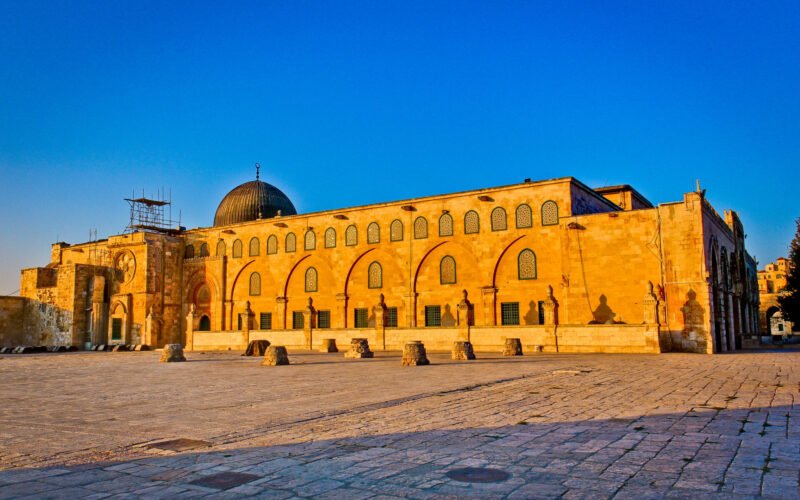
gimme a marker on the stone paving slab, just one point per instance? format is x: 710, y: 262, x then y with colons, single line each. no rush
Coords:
x: 563, y: 426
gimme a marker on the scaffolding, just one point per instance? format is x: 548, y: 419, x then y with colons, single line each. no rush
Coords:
x: 152, y: 214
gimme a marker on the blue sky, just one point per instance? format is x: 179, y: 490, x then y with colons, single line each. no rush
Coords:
x: 347, y: 103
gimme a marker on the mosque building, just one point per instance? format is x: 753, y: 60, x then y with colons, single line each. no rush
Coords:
x: 563, y: 267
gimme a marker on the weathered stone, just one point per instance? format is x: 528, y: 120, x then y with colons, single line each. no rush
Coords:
x: 256, y: 348
x: 462, y: 351
x: 141, y: 347
x: 328, y: 345
x: 172, y: 353
x: 359, y: 348
x: 513, y: 347
x: 276, y: 355
x: 122, y: 348
x: 414, y: 354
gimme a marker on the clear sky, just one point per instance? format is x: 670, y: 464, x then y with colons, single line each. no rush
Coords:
x: 347, y: 103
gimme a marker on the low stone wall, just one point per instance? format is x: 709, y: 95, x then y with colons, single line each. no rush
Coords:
x: 563, y: 338
x: 12, y: 321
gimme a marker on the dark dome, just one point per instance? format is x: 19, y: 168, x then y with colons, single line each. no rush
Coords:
x: 252, y: 201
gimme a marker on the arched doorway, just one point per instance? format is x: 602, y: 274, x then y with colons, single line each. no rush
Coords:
x: 205, y: 324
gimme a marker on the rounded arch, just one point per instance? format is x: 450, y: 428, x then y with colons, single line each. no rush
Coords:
x: 396, y: 230
x: 290, y: 243
x: 311, y: 280
x: 352, y: 266
x: 272, y: 244
x: 500, y: 258
x: 255, y: 284
x: 549, y: 213
x: 351, y: 235
x: 472, y: 222
x: 205, y: 323
x: 448, y: 272
x: 310, y: 240
x: 446, y: 225
x: 420, y: 228
x: 204, y: 249
x: 526, y: 264
x: 330, y: 238
x: 188, y: 252
x: 375, y: 275
x: 221, y: 248
x: 498, y: 219
x: 291, y: 272
x: 524, y: 216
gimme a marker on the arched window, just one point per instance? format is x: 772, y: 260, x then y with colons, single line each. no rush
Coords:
x: 204, y: 250
x: 237, y: 249
x: 524, y: 216
x: 189, y: 252
x: 446, y: 225
x: 499, y: 219
x: 447, y: 270
x: 373, y: 233
x: 330, y: 238
x: 310, y: 240
x: 420, y: 228
x: 291, y: 243
x: 255, y: 247
x: 221, y: 248
x: 205, y: 324
x: 272, y: 245
x: 472, y: 222
x: 311, y: 280
x: 396, y: 230
x: 526, y: 265
x: 351, y: 235
x: 255, y: 284
x: 549, y: 213
x: 375, y: 275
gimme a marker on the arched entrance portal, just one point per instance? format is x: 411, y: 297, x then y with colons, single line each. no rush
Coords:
x: 205, y: 324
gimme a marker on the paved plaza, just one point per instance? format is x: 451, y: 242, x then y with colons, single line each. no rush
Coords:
x: 111, y: 425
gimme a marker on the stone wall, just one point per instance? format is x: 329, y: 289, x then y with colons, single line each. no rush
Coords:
x: 12, y: 321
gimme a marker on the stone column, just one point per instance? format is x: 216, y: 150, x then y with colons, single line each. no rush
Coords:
x: 464, y: 317
x: 489, y: 310
x: 723, y: 320
x: 309, y: 322
x: 190, y: 329
x: 650, y: 303
x: 98, y: 336
x: 151, y: 328
x: 379, y: 310
x: 281, y: 312
x: 411, y: 310
x: 550, y: 308
x: 341, y: 318
x: 246, y: 318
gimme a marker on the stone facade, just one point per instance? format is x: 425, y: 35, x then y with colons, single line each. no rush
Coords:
x: 771, y: 282
x: 553, y: 262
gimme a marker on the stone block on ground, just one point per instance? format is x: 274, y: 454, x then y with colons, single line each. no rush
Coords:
x: 328, y: 345
x: 414, y: 354
x: 462, y: 351
x: 276, y: 355
x: 256, y: 348
x: 172, y: 353
x: 119, y: 348
x: 359, y: 348
x: 141, y: 347
x: 513, y: 347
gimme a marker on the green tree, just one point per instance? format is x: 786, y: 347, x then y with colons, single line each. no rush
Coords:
x: 790, y: 301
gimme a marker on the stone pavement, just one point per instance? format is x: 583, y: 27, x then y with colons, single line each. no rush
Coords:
x: 88, y: 425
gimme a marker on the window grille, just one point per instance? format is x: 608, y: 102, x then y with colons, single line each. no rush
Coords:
x: 189, y: 252
x: 291, y: 243
x: 220, y: 248
x: 265, y: 321
x: 540, y: 306
x: 499, y: 219
x: 272, y: 245
x: 420, y: 228
x: 446, y: 225
x: 204, y: 250
x: 549, y: 213
x: 471, y: 222
x: 297, y: 320
x: 237, y: 249
x: 255, y: 284
x: 375, y: 275
x: 330, y: 238
x: 447, y: 270
x: 390, y: 321
x: 509, y: 313
x: 255, y: 247
x: 396, y: 230
x: 238, y: 321
x: 433, y: 315
x: 361, y: 316
x: 323, y: 319
x: 524, y: 216
x: 526, y: 265
x: 373, y: 233
x: 351, y: 236
x: 311, y: 280
x: 310, y: 240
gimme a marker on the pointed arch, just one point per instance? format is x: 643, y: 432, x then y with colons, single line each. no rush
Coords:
x: 396, y: 230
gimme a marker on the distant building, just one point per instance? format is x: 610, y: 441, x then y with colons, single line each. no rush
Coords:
x: 771, y: 282
x: 562, y: 266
